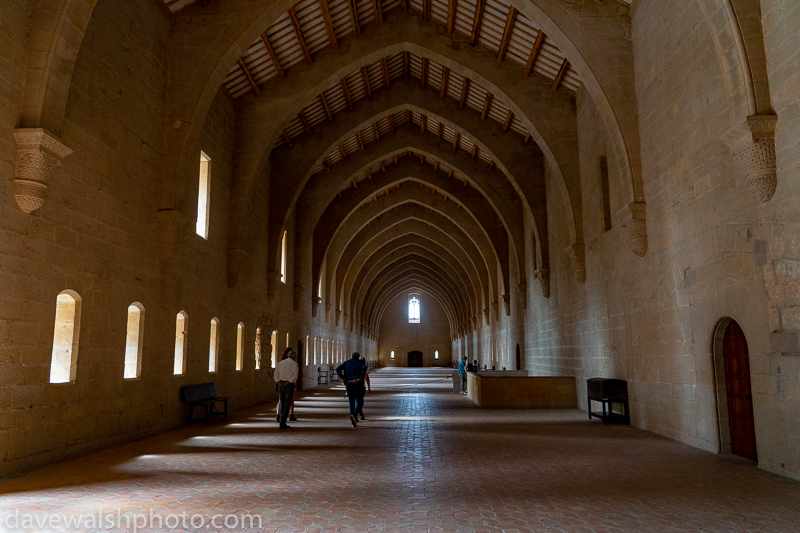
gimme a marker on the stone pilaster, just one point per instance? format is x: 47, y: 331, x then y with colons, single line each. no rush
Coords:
x: 577, y: 255
x: 328, y: 308
x: 496, y: 310
x: 543, y: 275
x: 299, y: 292
x: 638, y: 228
x: 235, y: 256
x: 753, y: 144
x: 273, y: 278
x: 315, y: 301
x: 38, y: 154
x: 486, y: 315
x: 170, y: 222
x: 338, y: 317
x: 507, y: 304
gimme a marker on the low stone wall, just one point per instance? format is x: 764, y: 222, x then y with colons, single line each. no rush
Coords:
x: 522, y: 392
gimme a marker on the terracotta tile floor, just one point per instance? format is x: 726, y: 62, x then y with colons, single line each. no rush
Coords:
x: 426, y: 460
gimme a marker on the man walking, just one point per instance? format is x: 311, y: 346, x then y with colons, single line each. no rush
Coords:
x: 285, y: 376
x: 352, y: 373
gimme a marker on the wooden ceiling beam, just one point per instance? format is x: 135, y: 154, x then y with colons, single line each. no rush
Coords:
x: 325, y: 107
x: 537, y: 47
x: 527, y: 139
x: 326, y: 15
x: 405, y: 64
x: 476, y: 22
x: 426, y: 10
x: 445, y: 81
x: 360, y: 142
x: 305, y: 122
x: 273, y: 56
x: 286, y: 139
x: 509, y: 118
x: 424, y: 77
x: 299, y: 34
x: 342, y: 152
x: 385, y: 72
x: 464, y: 90
x: 354, y: 18
x: 423, y: 124
x: 474, y: 151
x: 512, y: 14
x: 560, y: 76
x: 391, y: 123
x: 376, y: 5
x: 394, y: 159
x: 487, y: 103
x: 440, y: 131
x: 404, y: 5
x: 365, y: 79
x: 451, y: 16
x: 347, y: 96
x: 455, y: 141
x: 375, y: 131
x: 246, y: 71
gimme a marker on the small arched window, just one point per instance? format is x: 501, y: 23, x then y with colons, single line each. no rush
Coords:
x: 213, y: 346
x: 283, y: 258
x: 413, y: 308
x: 258, y: 349
x: 315, y: 351
x: 181, y: 332
x: 133, y: 342
x: 239, y: 346
x: 392, y: 355
x: 307, y: 349
x: 274, y: 342
x: 64, y: 359
x: 436, y: 354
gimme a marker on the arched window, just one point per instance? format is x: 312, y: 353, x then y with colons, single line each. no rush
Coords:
x: 239, y: 346
x: 392, y: 356
x: 258, y: 348
x: 283, y: 258
x: 64, y: 359
x: 181, y: 332
x: 213, y: 346
x: 413, y: 308
x: 203, y: 193
x: 307, y: 348
x: 133, y: 342
x: 274, y: 342
x: 315, y: 350
x: 436, y: 354
x: 287, y: 339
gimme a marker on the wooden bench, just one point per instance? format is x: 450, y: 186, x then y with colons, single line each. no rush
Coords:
x: 204, y: 396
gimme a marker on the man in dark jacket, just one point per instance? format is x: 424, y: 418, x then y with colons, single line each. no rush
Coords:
x: 352, y: 373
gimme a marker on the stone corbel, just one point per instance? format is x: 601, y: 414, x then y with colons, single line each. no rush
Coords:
x: 507, y: 304
x: 753, y: 144
x: 315, y: 301
x: 338, y: 317
x: 543, y: 275
x: 577, y: 255
x: 38, y: 154
x: 638, y: 228
x: 299, y: 291
x: 235, y: 256
x: 170, y: 222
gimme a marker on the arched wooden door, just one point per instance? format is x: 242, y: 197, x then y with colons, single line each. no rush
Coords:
x: 739, y: 392
x: 415, y: 358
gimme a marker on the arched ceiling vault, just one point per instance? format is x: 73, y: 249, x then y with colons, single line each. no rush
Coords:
x: 392, y: 287
x: 410, y: 179
x: 426, y: 231
x: 448, y: 219
x: 366, y: 262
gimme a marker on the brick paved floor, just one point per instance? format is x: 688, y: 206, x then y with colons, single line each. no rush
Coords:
x: 426, y: 460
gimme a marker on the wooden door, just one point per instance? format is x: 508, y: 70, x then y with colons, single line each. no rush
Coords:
x: 740, y: 395
x: 415, y: 358
x: 519, y: 359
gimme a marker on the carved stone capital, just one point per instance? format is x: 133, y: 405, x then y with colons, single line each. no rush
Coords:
x: 543, y: 275
x: 170, y: 222
x: 753, y: 144
x: 38, y: 154
x: 315, y: 301
x: 235, y: 256
x: 638, y: 228
x: 577, y: 255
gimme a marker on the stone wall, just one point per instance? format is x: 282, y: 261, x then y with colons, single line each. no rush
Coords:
x: 430, y: 335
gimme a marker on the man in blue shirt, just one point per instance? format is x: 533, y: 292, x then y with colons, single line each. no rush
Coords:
x: 352, y: 373
x: 462, y: 372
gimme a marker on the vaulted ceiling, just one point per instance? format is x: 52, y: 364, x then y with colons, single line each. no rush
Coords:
x: 406, y: 141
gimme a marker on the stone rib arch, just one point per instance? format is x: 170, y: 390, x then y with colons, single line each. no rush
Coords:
x: 456, y: 242
x: 387, y: 254
x: 406, y: 181
x: 385, y: 243
x: 384, y: 217
x: 403, y: 283
x: 462, y: 301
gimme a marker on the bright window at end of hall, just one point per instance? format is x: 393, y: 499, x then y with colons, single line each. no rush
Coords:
x: 283, y: 258
x: 436, y: 354
x: 392, y: 355
x: 203, y: 194
x: 413, y: 308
